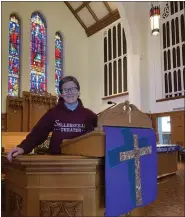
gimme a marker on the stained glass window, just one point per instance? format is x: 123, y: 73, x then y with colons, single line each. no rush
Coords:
x: 38, y: 80
x: 58, y: 60
x: 14, y: 56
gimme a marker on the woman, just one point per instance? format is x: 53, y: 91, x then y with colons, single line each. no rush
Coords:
x: 67, y: 120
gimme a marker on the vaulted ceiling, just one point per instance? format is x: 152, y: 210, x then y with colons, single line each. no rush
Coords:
x: 94, y: 16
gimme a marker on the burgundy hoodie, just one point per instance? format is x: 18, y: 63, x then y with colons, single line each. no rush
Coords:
x: 63, y: 123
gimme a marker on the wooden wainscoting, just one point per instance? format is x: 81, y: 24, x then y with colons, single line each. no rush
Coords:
x: 177, y: 127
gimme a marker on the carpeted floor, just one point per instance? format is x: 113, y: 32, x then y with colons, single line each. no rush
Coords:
x: 171, y: 196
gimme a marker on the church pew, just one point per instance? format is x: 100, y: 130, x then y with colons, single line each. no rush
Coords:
x: 12, y: 139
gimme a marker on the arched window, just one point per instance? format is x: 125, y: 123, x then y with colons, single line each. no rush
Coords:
x: 173, y: 44
x: 115, y: 60
x: 58, y: 60
x: 38, y: 78
x: 14, y: 56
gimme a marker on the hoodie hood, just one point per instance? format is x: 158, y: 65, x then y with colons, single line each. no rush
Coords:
x: 62, y: 106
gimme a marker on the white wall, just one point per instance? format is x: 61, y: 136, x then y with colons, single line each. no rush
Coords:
x: 58, y: 18
x: 137, y: 15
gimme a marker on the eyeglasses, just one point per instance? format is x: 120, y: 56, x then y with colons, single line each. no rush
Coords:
x: 72, y: 90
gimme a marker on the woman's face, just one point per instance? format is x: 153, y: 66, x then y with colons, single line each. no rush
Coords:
x: 70, y: 92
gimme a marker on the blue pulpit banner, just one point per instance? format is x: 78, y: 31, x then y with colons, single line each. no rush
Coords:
x: 130, y: 169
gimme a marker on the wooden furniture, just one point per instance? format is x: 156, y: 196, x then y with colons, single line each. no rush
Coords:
x: 66, y: 185
x: 124, y: 114
x: 24, y: 112
x: 182, y: 156
x: 56, y: 186
x: 12, y: 139
x: 3, y: 122
x: 177, y: 125
x: 167, y: 163
x: 78, y: 146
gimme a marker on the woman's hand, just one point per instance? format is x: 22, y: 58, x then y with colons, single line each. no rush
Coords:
x: 14, y: 152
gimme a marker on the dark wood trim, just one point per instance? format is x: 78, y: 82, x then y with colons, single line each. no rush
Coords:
x: 172, y: 98
x: 92, y: 13
x: 162, y: 114
x: 81, y: 7
x: 107, y: 20
x: 115, y: 95
x: 75, y: 14
x: 100, y: 24
x: 108, y: 7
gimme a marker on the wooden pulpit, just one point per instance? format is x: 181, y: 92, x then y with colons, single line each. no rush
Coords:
x: 92, y: 144
x: 71, y: 184
x: 46, y: 185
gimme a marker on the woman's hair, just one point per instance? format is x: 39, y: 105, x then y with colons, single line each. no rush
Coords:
x: 66, y: 79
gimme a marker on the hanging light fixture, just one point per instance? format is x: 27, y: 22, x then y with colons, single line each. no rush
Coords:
x: 154, y: 19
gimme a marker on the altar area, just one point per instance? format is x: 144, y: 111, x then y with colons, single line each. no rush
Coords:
x: 72, y: 184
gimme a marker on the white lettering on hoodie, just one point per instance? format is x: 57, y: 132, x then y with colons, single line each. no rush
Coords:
x: 68, y: 127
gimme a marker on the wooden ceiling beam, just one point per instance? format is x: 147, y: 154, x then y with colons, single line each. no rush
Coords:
x: 92, y: 13
x: 108, y: 7
x: 84, y: 4
x: 76, y: 15
x: 110, y: 18
x: 100, y: 23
